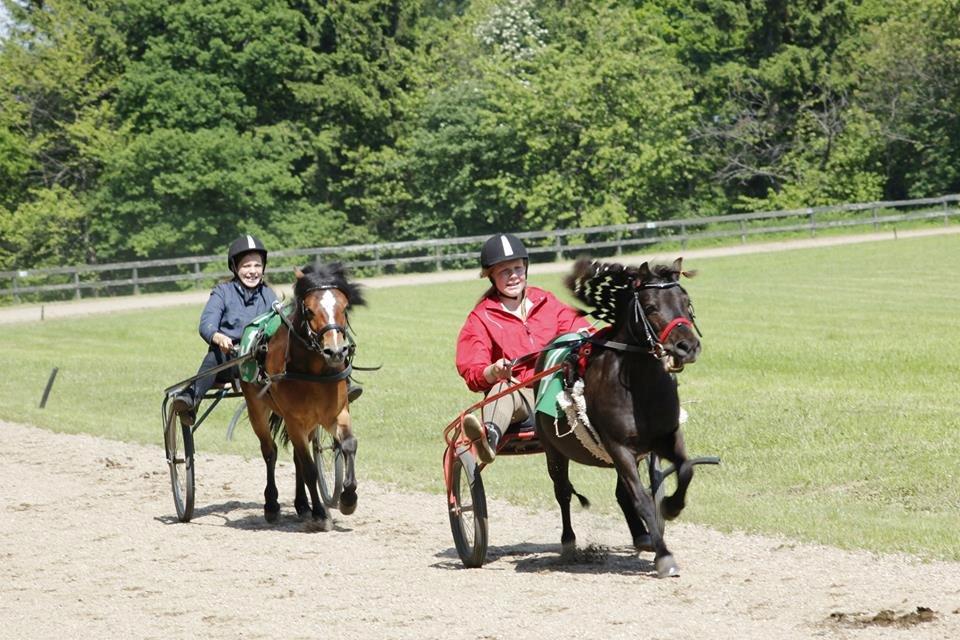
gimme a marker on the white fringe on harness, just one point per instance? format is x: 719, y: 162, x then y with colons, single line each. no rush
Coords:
x: 574, y: 405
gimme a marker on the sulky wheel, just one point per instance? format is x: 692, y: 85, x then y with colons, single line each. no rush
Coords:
x: 468, y: 513
x: 178, y: 441
x: 329, y: 460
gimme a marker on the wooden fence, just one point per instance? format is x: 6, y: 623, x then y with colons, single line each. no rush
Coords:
x: 428, y: 255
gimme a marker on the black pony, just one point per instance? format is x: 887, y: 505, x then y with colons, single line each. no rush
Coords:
x: 630, y: 394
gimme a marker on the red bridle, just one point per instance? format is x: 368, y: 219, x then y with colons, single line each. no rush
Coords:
x: 673, y: 324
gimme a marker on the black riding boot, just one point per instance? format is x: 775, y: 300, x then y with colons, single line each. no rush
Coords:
x: 185, y: 407
x: 353, y: 391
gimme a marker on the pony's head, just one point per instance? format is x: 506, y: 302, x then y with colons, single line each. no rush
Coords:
x: 645, y: 304
x: 323, y: 295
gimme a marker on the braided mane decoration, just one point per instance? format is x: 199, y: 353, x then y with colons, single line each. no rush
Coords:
x: 604, y: 286
x: 599, y: 284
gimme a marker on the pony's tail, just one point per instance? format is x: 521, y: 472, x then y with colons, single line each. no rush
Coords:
x: 279, y: 434
x: 584, y: 502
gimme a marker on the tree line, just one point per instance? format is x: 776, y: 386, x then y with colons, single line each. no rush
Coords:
x: 135, y: 129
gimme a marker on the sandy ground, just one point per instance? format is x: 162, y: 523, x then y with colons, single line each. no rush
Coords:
x: 90, y: 548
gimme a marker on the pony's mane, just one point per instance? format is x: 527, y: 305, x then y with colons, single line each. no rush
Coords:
x: 602, y: 285
x: 321, y: 275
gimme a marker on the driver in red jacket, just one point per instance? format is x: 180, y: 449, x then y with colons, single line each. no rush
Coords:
x: 509, y: 321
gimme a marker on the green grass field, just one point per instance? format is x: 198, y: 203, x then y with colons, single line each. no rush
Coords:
x: 827, y: 384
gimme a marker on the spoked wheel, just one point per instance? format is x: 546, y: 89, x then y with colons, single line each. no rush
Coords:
x: 329, y: 460
x: 468, y: 513
x: 178, y: 441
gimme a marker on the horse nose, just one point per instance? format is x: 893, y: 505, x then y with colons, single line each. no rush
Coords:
x: 687, y: 350
x: 335, y: 355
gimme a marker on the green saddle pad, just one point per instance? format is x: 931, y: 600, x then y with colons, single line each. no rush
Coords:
x: 256, y: 333
x: 553, y: 384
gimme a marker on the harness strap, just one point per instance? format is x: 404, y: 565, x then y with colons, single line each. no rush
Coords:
x: 308, y: 377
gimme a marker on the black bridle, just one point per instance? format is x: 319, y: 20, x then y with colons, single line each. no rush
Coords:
x: 653, y: 339
x: 313, y: 340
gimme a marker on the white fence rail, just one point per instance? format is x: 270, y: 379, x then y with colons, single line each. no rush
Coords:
x: 437, y: 254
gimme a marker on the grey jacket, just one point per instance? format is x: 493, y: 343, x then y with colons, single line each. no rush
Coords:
x: 231, y: 307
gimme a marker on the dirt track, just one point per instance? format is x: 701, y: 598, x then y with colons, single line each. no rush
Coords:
x: 91, y: 549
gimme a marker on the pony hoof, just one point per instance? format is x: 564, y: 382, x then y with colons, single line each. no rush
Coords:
x: 666, y: 567
x: 271, y: 516
x: 643, y: 543
x: 568, y: 550
x: 348, y: 502
x: 326, y: 524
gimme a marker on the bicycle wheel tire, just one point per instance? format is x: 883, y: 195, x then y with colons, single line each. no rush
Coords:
x: 468, y: 515
x: 329, y: 461
x: 178, y: 441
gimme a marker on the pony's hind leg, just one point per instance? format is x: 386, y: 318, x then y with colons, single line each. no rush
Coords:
x: 676, y: 453
x: 300, y: 502
x: 348, y: 447
x: 259, y: 420
x: 558, y: 466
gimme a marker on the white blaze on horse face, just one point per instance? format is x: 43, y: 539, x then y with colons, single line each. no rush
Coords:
x: 328, y: 302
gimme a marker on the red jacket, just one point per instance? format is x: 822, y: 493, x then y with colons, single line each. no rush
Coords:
x: 491, y: 333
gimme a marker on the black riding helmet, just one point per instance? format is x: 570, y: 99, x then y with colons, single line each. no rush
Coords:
x: 500, y: 248
x: 245, y: 244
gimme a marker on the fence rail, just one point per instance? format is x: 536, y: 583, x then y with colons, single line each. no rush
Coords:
x: 437, y: 254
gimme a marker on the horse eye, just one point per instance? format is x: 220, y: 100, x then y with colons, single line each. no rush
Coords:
x: 650, y: 309
x: 308, y: 313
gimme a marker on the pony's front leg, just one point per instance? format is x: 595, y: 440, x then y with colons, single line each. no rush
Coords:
x: 348, y: 448
x: 638, y: 531
x: 643, y: 504
x: 558, y: 466
x: 307, y: 475
x: 676, y: 453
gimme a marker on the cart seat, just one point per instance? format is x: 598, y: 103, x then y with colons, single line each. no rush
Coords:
x: 520, y: 438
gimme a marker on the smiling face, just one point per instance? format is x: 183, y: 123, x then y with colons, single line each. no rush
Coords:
x: 250, y: 269
x: 510, y: 277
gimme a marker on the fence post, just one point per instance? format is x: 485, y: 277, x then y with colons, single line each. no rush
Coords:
x: 813, y: 223
x: 76, y: 282
x: 619, y: 243
x: 136, y: 285
x: 559, y: 248
x: 876, y: 219
x: 683, y: 236
x: 438, y: 258
x: 743, y: 232
x: 16, y: 295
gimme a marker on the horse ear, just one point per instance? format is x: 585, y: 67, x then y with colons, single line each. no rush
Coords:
x: 677, y: 268
x: 297, y: 272
x: 643, y: 275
